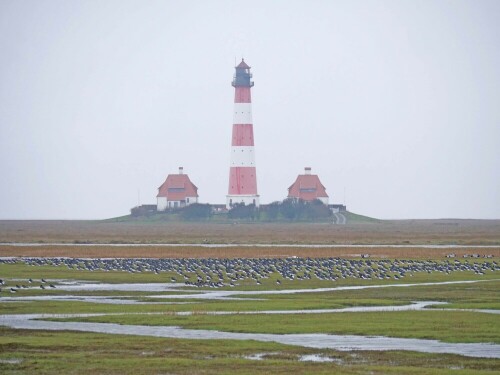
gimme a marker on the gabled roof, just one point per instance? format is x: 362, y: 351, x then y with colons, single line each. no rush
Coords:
x: 307, y: 187
x: 177, y: 187
x: 243, y: 65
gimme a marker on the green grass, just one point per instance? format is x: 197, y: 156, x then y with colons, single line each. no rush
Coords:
x: 482, y: 294
x: 69, y: 352
x: 355, y: 218
x: 44, y: 352
x: 476, y: 304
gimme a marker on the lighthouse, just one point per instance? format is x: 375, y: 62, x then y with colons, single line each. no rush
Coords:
x: 242, y: 171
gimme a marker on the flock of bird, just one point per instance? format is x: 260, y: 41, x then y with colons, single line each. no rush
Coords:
x: 15, y: 285
x: 216, y: 273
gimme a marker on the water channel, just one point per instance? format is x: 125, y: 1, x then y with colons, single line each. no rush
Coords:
x: 319, y: 341
x: 323, y: 341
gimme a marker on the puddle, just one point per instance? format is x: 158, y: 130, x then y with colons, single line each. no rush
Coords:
x: 318, y: 358
x: 258, y: 356
x: 319, y: 341
x: 11, y: 361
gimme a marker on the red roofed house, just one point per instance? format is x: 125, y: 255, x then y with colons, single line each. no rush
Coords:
x: 308, y: 187
x: 176, y: 191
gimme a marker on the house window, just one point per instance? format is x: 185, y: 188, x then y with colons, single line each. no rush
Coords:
x: 307, y: 190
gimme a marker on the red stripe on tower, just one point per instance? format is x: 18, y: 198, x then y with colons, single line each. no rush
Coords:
x: 242, y: 173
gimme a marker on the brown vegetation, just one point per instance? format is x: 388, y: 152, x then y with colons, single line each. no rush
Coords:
x: 416, y: 232
x: 106, y: 251
x: 111, y: 238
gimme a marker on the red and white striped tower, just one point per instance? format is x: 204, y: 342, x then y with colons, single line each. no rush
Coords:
x: 242, y: 173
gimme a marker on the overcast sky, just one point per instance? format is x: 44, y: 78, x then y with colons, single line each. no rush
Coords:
x: 394, y: 104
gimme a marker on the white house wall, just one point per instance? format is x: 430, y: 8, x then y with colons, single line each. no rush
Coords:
x: 161, y: 203
x: 191, y: 200
x: 324, y: 200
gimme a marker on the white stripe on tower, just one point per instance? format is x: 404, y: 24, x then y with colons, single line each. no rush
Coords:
x: 242, y: 113
x: 242, y: 156
x: 242, y: 172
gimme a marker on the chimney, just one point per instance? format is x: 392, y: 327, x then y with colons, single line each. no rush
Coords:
x: 307, y: 170
x: 181, y: 170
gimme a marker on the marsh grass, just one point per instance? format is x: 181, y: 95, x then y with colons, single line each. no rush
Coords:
x: 43, y: 352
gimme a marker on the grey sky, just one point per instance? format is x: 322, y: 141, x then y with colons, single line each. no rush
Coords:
x: 397, y: 102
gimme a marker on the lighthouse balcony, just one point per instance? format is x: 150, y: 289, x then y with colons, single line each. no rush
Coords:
x: 241, y: 83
